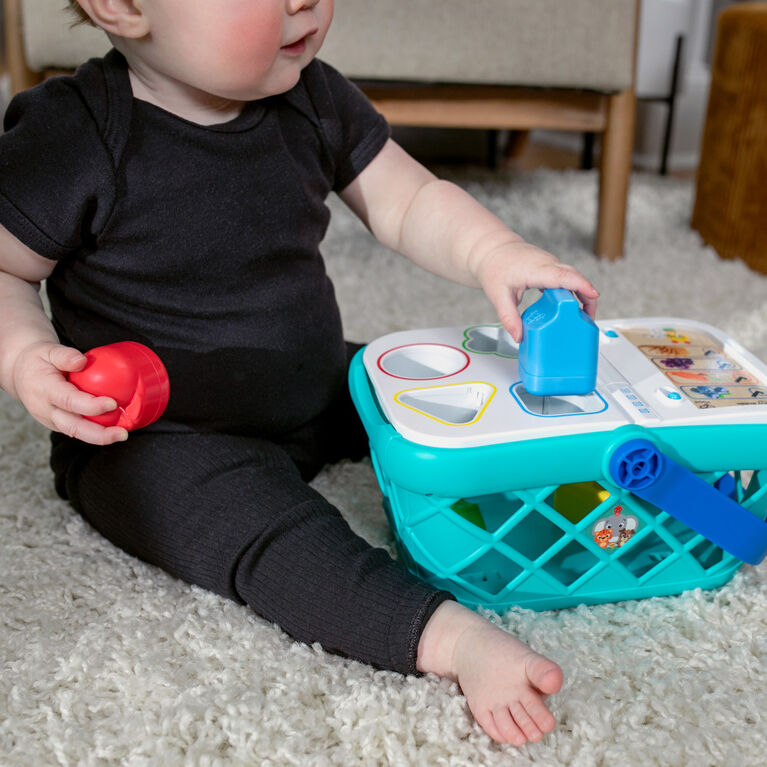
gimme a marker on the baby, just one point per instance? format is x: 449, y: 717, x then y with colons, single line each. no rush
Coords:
x: 173, y: 193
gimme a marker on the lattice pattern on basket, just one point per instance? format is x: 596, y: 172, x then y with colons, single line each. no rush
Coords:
x: 525, y: 552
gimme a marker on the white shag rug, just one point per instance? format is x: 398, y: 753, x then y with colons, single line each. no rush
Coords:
x: 107, y: 661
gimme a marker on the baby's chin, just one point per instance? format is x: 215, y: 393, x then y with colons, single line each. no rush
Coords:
x: 254, y: 92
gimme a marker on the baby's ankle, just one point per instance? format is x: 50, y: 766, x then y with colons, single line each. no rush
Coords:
x: 448, y: 628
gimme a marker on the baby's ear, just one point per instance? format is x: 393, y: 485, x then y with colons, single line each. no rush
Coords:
x: 124, y: 18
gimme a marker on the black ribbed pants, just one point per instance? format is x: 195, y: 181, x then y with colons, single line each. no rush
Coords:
x: 235, y: 515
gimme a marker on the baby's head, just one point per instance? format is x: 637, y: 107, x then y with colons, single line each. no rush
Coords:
x: 233, y: 49
x: 82, y: 16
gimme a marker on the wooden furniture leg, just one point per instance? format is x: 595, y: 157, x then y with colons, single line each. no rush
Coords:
x: 615, y: 169
x: 21, y: 75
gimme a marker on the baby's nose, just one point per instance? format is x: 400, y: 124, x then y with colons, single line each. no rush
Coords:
x: 294, y: 6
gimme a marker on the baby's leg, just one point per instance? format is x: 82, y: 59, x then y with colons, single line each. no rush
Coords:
x: 233, y: 515
x: 504, y: 681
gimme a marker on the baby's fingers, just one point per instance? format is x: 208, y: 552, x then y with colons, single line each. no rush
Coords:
x: 568, y: 277
x: 66, y: 359
x: 506, y: 307
x: 80, y: 428
x: 69, y: 398
x: 589, y: 301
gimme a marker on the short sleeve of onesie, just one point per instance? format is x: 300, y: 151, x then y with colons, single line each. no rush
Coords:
x: 57, y: 163
x: 355, y: 131
x: 56, y: 175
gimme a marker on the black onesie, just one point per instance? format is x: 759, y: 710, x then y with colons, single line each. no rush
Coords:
x: 202, y: 242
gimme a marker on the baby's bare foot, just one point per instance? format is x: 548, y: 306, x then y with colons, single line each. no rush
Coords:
x: 504, y: 681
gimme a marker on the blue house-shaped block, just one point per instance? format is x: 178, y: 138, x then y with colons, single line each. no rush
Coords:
x: 559, y: 348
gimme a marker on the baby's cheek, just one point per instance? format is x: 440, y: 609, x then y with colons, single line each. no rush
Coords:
x: 252, y: 40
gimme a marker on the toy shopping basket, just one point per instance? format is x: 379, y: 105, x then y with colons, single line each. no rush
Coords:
x: 573, y: 519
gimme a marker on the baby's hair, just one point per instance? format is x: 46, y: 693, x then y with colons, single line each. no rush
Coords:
x: 82, y: 16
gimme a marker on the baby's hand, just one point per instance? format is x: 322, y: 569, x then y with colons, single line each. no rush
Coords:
x: 508, y: 268
x: 39, y: 377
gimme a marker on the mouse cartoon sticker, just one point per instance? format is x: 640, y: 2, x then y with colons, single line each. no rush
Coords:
x: 612, y: 532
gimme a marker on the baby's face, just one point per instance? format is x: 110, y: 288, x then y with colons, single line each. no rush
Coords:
x: 235, y: 49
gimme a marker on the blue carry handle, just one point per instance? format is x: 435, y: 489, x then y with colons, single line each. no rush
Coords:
x: 559, y: 348
x: 639, y: 466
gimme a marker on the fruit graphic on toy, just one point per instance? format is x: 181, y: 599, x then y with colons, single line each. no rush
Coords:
x: 133, y: 375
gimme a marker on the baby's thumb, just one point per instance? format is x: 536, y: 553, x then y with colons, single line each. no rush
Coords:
x: 67, y: 359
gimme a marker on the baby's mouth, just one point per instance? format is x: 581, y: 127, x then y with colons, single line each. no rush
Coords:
x: 297, y: 47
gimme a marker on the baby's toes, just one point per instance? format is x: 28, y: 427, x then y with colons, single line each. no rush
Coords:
x: 486, y: 721
x: 544, y: 674
x: 537, y: 710
x: 525, y: 722
x: 507, y: 728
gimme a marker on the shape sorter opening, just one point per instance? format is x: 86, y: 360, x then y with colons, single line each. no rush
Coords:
x: 654, y: 483
x: 564, y: 404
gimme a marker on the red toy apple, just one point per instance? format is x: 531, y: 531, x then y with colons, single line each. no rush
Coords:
x: 133, y: 375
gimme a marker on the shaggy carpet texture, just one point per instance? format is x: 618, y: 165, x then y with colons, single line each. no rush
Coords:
x: 108, y: 661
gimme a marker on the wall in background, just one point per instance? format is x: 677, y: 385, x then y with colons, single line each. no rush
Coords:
x: 660, y: 23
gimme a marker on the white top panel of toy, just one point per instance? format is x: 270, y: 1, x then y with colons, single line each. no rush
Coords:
x: 460, y: 386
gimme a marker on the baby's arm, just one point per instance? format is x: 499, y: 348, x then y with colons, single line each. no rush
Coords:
x: 33, y: 365
x: 446, y: 231
x: 443, y: 229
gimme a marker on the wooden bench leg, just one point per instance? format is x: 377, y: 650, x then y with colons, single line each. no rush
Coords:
x: 22, y: 77
x: 615, y: 170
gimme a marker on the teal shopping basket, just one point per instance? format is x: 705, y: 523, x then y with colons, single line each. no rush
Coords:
x: 575, y: 519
